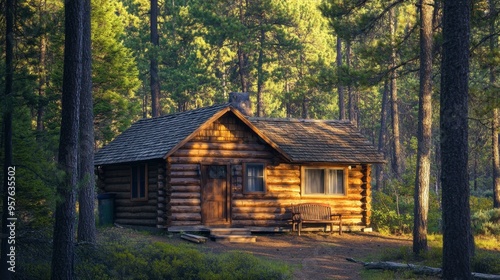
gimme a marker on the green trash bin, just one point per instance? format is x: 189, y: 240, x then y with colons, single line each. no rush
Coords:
x: 106, y: 208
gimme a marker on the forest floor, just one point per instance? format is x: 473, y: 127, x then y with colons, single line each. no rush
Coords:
x: 314, y: 255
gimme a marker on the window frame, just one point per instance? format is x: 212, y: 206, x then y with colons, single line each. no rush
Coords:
x: 325, y: 169
x: 138, y: 168
x: 245, y: 178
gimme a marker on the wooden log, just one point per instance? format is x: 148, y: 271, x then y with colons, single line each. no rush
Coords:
x: 283, y: 173
x: 135, y: 209
x: 185, y: 195
x: 136, y: 222
x: 283, y: 180
x: 260, y: 216
x: 185, y: 182
x: 183, y: 167
x: 183, y: 174
x: 222, y: 153
x: 224, y: 146
x: 286, y: 203
x: 267, y: 195
x: 186, y: 217
x: 189, y: 188
x: 194, y: 238
x: 185, y: 209
x: 129, y: 215
x: 185, y: 202
x: 117, y: 180
x: 284, y: 166
x: 259, y: 223
x: 215, y: 160
x: 115, y: 188
x: 122, y: 195
x: 282, y: 188
x: 117, y: 173
x: 356, y: 181
x: 275, y: 210
x: 356, y: 174
x: 152, y: 180
x: 128, y: 202
x: 184, y: 223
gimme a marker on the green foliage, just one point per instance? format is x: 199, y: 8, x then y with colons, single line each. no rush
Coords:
x: 486, y: 222
x: 478, y: 204
x: 485, y: 260
x: 124, y: 256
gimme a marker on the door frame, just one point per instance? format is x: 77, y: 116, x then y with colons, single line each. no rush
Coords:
x: 204, y: 178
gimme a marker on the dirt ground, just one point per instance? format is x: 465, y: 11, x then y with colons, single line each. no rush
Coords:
x: 317, y: 255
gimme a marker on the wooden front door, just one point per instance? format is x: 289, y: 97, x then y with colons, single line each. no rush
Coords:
x: 214, y: 204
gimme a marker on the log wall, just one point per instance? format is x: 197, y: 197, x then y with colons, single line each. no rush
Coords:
x: 229, y: 141
x: 117, y: 179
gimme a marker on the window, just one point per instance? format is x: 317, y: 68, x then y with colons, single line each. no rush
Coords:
x: 254, y: 178
x: 139, y: 185
x: 324, y: 181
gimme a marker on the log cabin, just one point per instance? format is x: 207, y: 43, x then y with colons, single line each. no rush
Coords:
x: 214, y: 166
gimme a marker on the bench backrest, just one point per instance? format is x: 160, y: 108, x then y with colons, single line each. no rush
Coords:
x: 312, y: 211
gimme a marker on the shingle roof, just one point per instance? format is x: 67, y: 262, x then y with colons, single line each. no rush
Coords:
x: 298, y: 140
x: 153, y: 138
x: 318, y: 140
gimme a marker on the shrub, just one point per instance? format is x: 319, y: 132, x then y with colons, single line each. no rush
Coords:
x: 386, y: 219
x: 486, y: 222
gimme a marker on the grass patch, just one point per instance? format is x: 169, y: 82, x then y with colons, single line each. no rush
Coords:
x: 126, y: 254
x: 486, y: 259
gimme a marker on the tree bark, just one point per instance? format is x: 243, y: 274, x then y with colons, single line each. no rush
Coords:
x: 340, y: 87
x: 352, y: 95
x: 155, y: 80
x: 242, y: 57
x: 457, y: 237
x: 494, y: 122
x: 7, y: 122
x: 496, y: 159
x: 424, y: 134
x: 86, y: 221
x: 397, y: 165
x: 42, y: 85
x: 260, y: 65
x: 64, y: 227
x: 382, y: 135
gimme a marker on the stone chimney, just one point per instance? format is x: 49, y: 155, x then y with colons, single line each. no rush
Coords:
x: 241, y: 101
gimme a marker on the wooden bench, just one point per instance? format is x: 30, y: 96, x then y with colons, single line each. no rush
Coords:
x: 314, y: 213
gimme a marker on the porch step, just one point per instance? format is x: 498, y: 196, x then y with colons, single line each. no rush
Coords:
x: 230, y: 231
x: 232, y: 235
x: 234, y: 238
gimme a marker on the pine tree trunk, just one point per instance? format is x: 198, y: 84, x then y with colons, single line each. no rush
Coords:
x: 495, y: 122
x: 242, y: 57
x: 496, y: 159
x: 64, y: 227
x: 155, y: 80
x: 7, y: 125
x: 260, y: 73
x: 424, y: 136
x: 397, y: 165
x: 340, y: 87
x: 86, y: 221
x: 382, y: 135
x: 42, y: 85
x: 353, y: 95
x: 457, y: 237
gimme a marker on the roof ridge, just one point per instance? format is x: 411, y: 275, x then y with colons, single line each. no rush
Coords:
x: 201, y: 109
x: 297, y: 120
